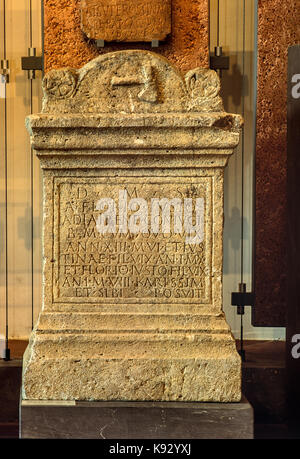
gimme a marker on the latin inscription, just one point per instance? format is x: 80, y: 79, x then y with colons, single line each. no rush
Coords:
x: 126, y: 20
x: 90, y: 266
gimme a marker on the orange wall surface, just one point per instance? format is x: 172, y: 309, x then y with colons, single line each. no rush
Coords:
x: 65, y: 45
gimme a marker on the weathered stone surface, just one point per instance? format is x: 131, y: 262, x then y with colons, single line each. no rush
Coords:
x: 126, y: 20
x: 135, y: 313
x: 131, y: 82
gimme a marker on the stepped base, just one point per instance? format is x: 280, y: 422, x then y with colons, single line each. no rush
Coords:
x: 136, y: 420
x: 181, y: 361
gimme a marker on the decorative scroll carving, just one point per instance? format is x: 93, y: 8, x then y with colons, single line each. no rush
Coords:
x: 204, y: 87
x: 60, y: 84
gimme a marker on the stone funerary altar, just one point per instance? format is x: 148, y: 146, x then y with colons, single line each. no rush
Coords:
x: 133, y: 155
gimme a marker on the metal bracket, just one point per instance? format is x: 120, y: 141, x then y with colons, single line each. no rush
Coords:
x: 218, y: 61
x: 242, y: 299
x: 5, y: 69
x: 31, y: 63
x: 100, y: 43
x: 6, y: 357
x: 155, y: 44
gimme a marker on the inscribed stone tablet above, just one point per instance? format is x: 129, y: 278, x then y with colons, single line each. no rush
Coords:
x: 126, y: 20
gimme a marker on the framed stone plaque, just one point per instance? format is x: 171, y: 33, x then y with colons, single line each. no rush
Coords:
x: 126, y: 20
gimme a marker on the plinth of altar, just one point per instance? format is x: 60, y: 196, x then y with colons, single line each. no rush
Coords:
x: 135, y: 420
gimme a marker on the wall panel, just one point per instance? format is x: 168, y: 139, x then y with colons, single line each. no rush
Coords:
x: 20, y: 272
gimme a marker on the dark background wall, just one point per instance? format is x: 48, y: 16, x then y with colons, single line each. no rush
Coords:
x: 278, y: 28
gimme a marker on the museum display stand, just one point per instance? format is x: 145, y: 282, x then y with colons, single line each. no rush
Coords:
x: 132, y: 341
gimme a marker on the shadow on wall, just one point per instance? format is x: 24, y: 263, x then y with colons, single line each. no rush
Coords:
x: 232, y: 240
x: 232, y: 86
x: 25, y: 225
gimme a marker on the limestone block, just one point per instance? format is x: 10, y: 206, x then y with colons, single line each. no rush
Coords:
x: 133, y: 155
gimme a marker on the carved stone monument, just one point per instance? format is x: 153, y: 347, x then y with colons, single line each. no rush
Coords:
x: 126, y: 20
x: 133, y: 155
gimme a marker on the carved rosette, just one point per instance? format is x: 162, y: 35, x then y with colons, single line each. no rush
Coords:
x: 60, y: 84
x: 204, y: 86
